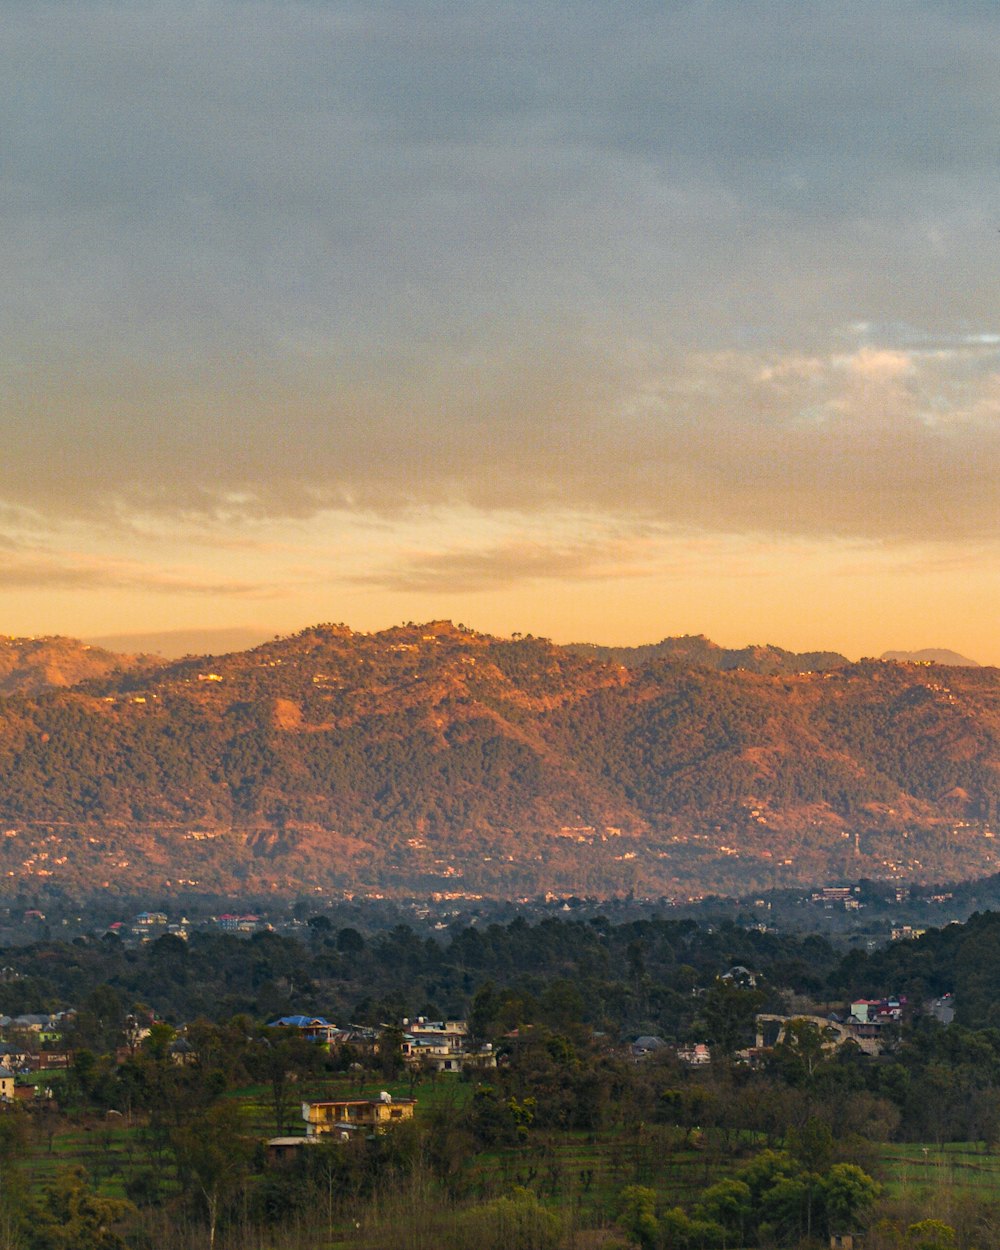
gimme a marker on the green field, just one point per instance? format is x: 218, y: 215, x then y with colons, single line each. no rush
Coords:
x: 961, y: 1166
x: 581, y: 1173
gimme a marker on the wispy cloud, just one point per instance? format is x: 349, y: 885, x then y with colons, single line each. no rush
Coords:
x: 511, y: 564
x: 37, y: 570
x: 879, y: 442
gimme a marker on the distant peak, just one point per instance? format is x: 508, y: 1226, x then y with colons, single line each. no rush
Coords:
x: 931, y: 655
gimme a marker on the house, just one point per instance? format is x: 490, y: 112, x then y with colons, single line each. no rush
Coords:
x: 359, y: 1038
x: 17, y: 1058
x: 450, y: 1034
x: 6, y: 1085
x: 182, y: 1053
x: 427, y: 1053
x: 149, y: 920
x: 312, y: 1028
x: 443, y: 1045
x: 230, y: 923
x: 739, y: 975
x: 54, y: 1059
x: 695, y: 1055
x: 147, y: 925
x: 344, y: 1118
x: 646, y: 1045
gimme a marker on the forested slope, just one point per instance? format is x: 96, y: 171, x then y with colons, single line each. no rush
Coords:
x: 429, y: 753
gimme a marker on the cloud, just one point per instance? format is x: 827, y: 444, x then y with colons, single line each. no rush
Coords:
x: 511, y: 564
x: 877, y: 443
x: 174, y: 643
x: 270, y: 261
x: 34, y: 570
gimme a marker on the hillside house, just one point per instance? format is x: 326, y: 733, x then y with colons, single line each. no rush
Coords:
x: 645, y: 1045
x: 452, y: 1034
x: 230, y: 923
x: 312, y: 1028
x: 345, y: 1118
x: 443, y: 1045
x: 696, y: 1055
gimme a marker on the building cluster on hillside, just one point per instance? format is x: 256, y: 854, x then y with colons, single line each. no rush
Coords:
x: 230, y: 923
x: 149, y: 925
x: 837, y: 896
x: 866, y: 1022
x: 869, y: 1016
x: 31, y: 1043
x: 437, y: 1045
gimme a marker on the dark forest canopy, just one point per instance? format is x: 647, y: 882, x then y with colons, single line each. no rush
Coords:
x: 622, y: 977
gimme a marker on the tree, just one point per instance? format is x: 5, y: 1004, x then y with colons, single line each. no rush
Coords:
x: 279, y: 1061
x: 637, y: 1215
x: 390, y: 1052
x: 213, y: 1156
x: 803, y: 1051
x: 728, y: 1013
x: 350, y: 942
x: 320, y: 927
x: 73, y: 1217
x: 730, y: 1204
x: 519, y: 1222
x: 848, y: 1195
x: 931, y: 1235
x: 812, y: 1144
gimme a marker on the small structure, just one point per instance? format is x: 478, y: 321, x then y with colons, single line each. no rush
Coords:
x: 739, y: 975
x: 646, y: 1045
x: 281, y: 1150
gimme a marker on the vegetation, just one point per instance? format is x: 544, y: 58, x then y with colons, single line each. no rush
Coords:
x: 567, y: 1142
x: 508, y: 766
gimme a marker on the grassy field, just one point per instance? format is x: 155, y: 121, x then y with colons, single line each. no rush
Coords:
x: 578, y: 1171
x: 963, y: 1166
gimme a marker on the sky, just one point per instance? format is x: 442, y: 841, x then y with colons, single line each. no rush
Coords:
x: 601, y: 322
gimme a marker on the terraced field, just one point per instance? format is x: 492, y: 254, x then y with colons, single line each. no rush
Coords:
x: 581, y: 1173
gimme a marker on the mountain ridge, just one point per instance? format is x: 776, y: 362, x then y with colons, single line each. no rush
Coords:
x: 932, y: 655
x: 431, y: 758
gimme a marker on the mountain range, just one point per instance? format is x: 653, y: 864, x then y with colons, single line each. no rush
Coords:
x: 429, y: 758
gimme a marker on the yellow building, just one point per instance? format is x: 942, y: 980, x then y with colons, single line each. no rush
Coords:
x: 344, y: 1117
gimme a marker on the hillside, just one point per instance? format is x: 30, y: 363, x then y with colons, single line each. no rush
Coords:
x: 32, y: 665
x: 432, y: 758
x: 700, y: 652
x: 932, y: 655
